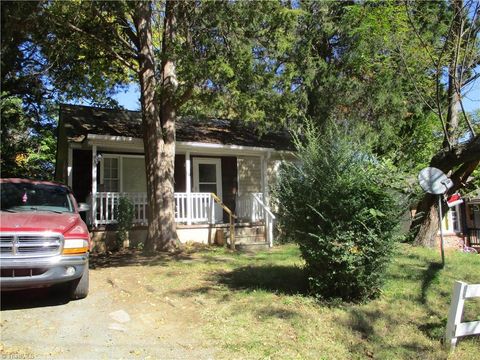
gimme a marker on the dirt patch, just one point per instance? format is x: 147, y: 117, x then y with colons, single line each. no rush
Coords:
x: 128, y: 314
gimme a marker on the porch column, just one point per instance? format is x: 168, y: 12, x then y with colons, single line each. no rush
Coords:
x: 188, y: 185
x: 69, y: 166
x: 262, y: 188
x: 266, y: 187
x: 94, y: 186
x: 263, y: 169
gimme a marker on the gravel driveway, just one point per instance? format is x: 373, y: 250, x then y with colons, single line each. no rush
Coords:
x: 122, y: 318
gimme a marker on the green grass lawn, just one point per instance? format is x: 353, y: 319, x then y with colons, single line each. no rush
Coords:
x: 256, y: 306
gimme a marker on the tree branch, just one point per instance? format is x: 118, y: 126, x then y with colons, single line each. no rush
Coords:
x: 187, y: 94
x: 117, y: 35
x: 459, y: 154
x: 417, y: 90
x: 461, y: 175
x: 120, y: 58
x: 437, y: 65
x: 123, y: 22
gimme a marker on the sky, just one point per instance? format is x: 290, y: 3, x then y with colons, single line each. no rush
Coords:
x: 471, y: 101
x: 130, y: 99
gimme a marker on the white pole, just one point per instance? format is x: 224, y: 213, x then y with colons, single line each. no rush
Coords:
x: 94, y: 185
x: 70, y: 166
x: 188, y: 185
x: 441, y: 228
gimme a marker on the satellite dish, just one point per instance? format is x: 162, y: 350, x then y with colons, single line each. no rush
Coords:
x: 434, y: 181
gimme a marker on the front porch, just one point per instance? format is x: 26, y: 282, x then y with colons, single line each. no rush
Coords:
x: 197, y: 211
x: 214, y: 184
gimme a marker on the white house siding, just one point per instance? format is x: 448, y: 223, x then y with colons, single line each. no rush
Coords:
x: 273, y: 166
x: 249, y: 170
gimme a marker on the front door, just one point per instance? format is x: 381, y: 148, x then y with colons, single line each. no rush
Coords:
x: 207, y: 177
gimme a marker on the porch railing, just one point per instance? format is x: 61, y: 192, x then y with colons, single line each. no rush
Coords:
x: 189, y: 207
x: 268, y: 217
x: 473, y: 236
x: 248, y: 209
x: 106, y: 203
x: 192, y: 207
x: 231, y: 217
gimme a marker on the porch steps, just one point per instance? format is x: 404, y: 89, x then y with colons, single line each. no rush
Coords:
x: 249, y: 238
x: 252, y: 247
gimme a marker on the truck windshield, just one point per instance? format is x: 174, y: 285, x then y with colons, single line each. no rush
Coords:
x: 34, y: 197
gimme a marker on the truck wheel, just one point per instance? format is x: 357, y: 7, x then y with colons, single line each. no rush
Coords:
x: 79, y: 287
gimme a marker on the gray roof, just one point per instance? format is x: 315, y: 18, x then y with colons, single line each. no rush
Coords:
x: 79, y: 121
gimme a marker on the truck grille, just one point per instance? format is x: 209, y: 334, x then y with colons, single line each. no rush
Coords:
x: 38, y: 244
x: 27, y: 272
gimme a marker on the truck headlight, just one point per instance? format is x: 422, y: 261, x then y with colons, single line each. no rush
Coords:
x: 75, y: 246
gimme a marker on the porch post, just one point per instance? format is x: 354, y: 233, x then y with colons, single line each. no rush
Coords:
x: 94, y: 186
x: 263, y: 169
x: 69, y: 166
x: 266, y: 188
x: 188, y: 185
x: 262, y: 190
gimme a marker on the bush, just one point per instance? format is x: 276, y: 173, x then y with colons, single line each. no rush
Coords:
x: 124, y: 215
x: 337, y: 203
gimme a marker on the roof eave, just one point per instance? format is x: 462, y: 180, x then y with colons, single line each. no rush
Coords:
x: 184, y: 146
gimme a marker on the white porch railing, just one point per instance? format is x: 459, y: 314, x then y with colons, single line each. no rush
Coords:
x: 192, y: 207
x: 248, y: 208
x: 251, y: 207
x: 103, y: 211
x: 189, y: 208
x: 194, y: 211
x: 268, y: 217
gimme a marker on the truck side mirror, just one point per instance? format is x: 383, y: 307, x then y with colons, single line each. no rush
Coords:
x: 83, y: 207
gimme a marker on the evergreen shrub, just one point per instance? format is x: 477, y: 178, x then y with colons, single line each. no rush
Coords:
x: 124, y: 214
x: 337, y: 202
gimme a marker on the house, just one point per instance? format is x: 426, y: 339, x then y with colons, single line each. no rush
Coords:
x: 100, y: 156
x: 461, y: 224
x: 471, y: 223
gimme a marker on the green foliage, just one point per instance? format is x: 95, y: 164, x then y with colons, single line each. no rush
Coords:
x: 27, y: 147
x: 80, y: 39
x: 233, y: 54
x: 362, y: 63
x: 27, y: 137
x: 124, y: 214
x: 339, y: 204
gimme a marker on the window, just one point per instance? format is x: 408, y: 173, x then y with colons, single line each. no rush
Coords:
x: 111, y: 177
x: 133, y: 174
x: 24, y: 196
x: 455, y: 216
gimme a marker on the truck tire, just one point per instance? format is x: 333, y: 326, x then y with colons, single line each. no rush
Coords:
x: 79, y: 287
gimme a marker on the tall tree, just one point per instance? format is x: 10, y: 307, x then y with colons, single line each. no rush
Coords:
x: 27, y: 138
x: 200, y: 58
x: 351, y: 71
x: 455, y: 63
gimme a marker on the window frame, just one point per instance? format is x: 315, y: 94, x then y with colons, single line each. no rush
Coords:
x: 120, y: 158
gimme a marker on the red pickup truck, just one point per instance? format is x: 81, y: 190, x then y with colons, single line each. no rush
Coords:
x: 43, y: 240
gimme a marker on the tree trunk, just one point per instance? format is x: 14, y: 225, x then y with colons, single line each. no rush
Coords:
x: 463, y: 159
x: 426, y: 221
x: 454, y: 72
x: 167, y: 145
x: 150, y: 120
